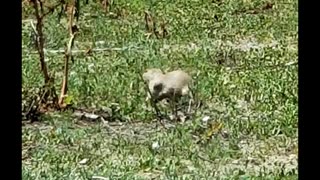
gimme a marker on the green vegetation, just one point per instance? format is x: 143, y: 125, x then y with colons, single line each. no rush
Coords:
x: 242, y: 63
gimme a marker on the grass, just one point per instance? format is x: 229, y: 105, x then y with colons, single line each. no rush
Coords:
x: 252, y: 93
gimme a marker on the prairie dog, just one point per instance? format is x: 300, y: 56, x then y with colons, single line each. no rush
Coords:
x: 172, y: 84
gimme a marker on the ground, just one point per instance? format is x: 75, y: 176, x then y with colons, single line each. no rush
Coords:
x: 242, y: 56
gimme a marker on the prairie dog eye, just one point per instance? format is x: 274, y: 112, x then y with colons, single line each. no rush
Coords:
x: 155, y: 87
x: 158, y: 87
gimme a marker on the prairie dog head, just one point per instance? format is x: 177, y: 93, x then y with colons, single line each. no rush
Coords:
x: 152, y: 74
x: 154, y: 79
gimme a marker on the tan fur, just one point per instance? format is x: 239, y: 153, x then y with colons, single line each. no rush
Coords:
x: 165, y: 86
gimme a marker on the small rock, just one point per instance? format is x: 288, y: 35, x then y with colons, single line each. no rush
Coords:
x: 155, y: 145
x: 91, y: 116
x: 83, y: 161
x: 205, y: 119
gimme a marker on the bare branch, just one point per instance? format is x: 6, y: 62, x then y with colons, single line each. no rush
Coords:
x: 93, y: 50
x: 73, y: 30
x: 34, y: 28
x: 40, y: 41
